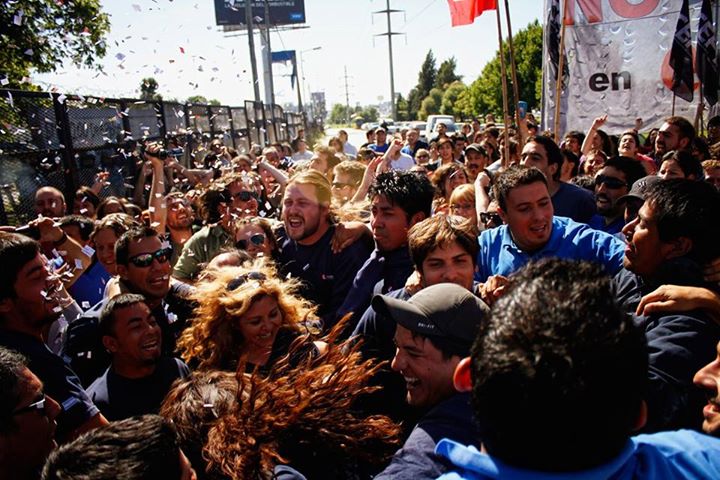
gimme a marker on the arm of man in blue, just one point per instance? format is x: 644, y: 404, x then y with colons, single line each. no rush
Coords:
x: 678, y: 346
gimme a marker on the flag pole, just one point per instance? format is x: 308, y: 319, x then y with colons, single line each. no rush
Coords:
x: 560, y: 69
x: 516, y: 87
x: 672, y: 112
x: 506, y: 116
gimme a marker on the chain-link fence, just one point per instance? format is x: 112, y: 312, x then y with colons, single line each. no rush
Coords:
x: 64, y: 140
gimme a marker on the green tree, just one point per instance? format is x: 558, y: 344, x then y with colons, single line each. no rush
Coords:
x: 148, y: 89
x: 203, y: 100
x: 449, y: 104
x: 484, y: 95
x: 39, y: 35
x: 338, y: 114
x: 431, y: 104
x: 426, y: 81
x: 446, y: 73
x: 402, y: 109
x: 370, y: 114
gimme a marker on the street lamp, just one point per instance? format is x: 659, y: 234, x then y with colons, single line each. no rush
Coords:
x: 302, y: 65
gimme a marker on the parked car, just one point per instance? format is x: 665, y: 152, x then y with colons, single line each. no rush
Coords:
x: 433, y: 120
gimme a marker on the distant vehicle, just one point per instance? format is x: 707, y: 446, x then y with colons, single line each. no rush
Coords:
x: 433, y: 120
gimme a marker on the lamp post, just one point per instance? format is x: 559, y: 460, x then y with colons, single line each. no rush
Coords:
x: 302, y: 65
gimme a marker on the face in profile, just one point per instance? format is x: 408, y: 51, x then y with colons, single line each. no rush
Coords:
x: 708, y: 378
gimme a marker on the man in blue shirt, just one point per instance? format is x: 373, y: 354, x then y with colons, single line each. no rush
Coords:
x: 568, y: 200
x: 380, y: 145
x: 557, y: 392
x: 531, y: 231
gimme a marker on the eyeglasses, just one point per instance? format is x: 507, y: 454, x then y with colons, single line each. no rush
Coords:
x: 245, y: 196
x: 491, y: 218
x: 242, y: 279
x: 38, y: 405
x: 258, y: 239
x: 610, y: 182
x: 145, y: 259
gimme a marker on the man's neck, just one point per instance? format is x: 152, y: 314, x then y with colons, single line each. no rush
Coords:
x: 553, y: 186
x: 315, y: 237
x: 133, y: 371
x: 180, y: 235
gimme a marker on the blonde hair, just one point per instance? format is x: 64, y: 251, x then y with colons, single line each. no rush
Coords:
x: 213, y: 340
x: 463, y: 193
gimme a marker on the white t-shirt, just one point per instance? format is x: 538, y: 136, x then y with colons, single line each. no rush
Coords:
x: 297, y: 156
x: 403, y: 162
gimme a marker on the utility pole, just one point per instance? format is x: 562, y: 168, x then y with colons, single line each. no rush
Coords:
x: 347, y: 99
x: 270, y: 85
x: 388, y: 11
x: 251, y: 44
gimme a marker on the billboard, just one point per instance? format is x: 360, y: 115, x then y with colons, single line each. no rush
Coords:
x: 617, y: 62
x: 282, y: 12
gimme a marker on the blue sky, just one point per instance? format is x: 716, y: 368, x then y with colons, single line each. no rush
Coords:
x: 147, y: 37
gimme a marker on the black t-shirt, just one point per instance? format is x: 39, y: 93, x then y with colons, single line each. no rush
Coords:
x: 118, y: 397
x: 59, y: 381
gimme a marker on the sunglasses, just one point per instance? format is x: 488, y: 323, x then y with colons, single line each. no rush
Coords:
x: 423, y: 156
x: 38, y: 406
x: 258, y: 239
x: 491, y: 217
x: 610, y: 182
x: 243, y: 279
x: 145, y: 259
x: 245, y: 196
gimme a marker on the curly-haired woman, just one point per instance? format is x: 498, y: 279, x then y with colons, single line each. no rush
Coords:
x: 246, y: 315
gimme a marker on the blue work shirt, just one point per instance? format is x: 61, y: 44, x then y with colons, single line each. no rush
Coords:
x: 499, y: 255
x: 678, y: 454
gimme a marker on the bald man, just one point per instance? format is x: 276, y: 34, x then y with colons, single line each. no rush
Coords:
x: 49, y: 202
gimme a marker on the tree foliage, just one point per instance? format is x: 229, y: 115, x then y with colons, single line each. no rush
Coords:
x: 39, y: 35
x: 426, y: 82
x: 339, y: 114
x: 148, y: 89
x: 431, y: 104
x: 449, y: 104
x: 203, y: 100
x: 401, y: 106
x: 446, y: 73
x: 485, y: 94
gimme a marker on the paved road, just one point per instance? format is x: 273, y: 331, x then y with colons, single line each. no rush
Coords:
x: 355, y: 137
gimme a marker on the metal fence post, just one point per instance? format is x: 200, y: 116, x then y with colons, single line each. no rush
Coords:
x: 70, y: 174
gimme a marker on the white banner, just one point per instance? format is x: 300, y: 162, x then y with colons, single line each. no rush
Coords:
x: 617, y: 52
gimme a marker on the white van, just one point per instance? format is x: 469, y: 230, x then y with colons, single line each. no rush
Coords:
x: 433, y: 120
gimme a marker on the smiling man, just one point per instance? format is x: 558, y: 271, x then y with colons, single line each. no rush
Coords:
x: 708, y: 378
x: 613, y: 182
x: 676, y: 133
x: 675, y: 234
x: 139, y: 377
x: 435, y: 330
x: 531, y: 231
x: 306, y: 252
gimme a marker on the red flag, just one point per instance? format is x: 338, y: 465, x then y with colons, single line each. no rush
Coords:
x: 463, y: 12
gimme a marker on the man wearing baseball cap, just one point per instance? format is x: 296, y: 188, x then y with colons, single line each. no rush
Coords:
x: 476, y: 160
x: 435, y: 330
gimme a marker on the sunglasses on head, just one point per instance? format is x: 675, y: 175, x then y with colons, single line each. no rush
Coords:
x: 491, y: 217
x: 258, y: 239
x: 610, y: 182
x: 242, y: 279
x: 245, y: 196
x: 38, y: 405
x: 145, y: 259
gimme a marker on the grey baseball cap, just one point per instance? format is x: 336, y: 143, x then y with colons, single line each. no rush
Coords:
x: 443, y: 310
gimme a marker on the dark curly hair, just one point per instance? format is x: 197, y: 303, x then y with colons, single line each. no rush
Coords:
x: 410, y: 191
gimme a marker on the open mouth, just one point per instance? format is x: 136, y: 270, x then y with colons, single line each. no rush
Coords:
x: 295, y: 222
x: 159, y: 281
x: 411, y: 382
x: 151, y: 345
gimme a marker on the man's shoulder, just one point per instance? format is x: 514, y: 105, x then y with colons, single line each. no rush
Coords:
x: 680, y: 453
x: 98, y: 390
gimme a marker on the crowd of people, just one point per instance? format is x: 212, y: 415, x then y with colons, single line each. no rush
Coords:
x: 482, y: 304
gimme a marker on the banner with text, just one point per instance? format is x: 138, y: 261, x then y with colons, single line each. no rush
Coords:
x: 617, y: 53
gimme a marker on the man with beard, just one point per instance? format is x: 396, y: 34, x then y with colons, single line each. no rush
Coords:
x: 233, y: 196
x: 306, y: 252
x: 708, y: 378
x: 180, y: 218
x: 613, y: 182
x: 49, y: 202
x: 676, y: 133
x: 28, y: 305
x: 139, y: 377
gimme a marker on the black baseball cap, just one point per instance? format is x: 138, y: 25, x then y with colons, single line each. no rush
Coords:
x: 640, y: 188
x: 477, y: 148
x: 444, y: 311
